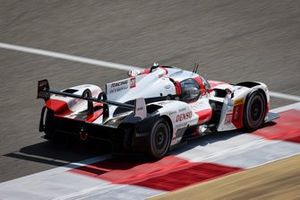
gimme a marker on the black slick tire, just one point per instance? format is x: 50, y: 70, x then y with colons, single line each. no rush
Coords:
x: 254, y: 111
x: 159, y: 139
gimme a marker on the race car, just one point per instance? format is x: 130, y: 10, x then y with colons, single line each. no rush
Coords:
x: 153, y: 109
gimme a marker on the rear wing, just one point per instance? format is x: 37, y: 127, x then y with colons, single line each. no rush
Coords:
x: 44, y: 92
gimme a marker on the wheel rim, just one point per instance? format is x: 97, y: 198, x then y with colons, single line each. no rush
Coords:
x: 161, y: 137
x: 256, y: 111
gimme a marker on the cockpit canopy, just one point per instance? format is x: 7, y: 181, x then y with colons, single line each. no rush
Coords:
x: 190, y: 90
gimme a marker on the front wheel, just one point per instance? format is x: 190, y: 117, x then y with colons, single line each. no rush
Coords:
x: 255, y: 111
x: 159, y: 139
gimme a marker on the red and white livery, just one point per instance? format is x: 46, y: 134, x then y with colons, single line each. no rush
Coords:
x: 153, y: 110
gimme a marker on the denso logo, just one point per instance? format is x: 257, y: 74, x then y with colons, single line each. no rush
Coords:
x: 183, y: 116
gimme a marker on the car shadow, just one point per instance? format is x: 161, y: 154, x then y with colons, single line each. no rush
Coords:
x: 68, y: 150
x: 62, y: 152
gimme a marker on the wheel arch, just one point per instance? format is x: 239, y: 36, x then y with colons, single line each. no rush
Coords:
x: 248, y: 84
x: 260, y: 90
x: 169, y: 121
x: 255, y: 86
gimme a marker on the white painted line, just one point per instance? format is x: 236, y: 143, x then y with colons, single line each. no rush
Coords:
x: 284, y: 96
x: 67, y: 57
x: 40, y: 157
x: 295, y: 106
x: 104, y: 63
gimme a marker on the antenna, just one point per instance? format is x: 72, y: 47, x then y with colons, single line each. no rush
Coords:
x: 196, y: 67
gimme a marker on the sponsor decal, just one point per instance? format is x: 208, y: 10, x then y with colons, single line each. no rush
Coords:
x: 182, y: 110
x: 181, y: 124
x: 118, y: 86
x: 172, y: 113
x: 132, y: 82
x: 139, y: 108
x: 239, y: 102
x: 228, y: 118
x: 183, y: 116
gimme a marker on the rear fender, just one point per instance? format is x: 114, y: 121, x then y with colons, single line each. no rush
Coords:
x: 179, y: 116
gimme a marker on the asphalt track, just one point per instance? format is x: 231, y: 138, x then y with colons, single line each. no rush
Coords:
x: 231, y: 40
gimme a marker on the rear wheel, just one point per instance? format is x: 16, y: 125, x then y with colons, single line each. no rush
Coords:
x: 255, y: 111
x: 159, y: 139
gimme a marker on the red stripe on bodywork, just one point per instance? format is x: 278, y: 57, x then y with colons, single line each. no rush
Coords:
x: 201, y: 85
x: 286, y: 127
x: 99, y: 111
x: 59, y: 107
x: 169, y: 173
x: 214, y: 84
x: 237, y: 116
x: 204, y: 115
x: 178, y: 88
x: 146, y: 71
x: 92, y: 117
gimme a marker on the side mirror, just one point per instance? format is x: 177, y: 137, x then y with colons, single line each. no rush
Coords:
x: 132, y: 73
x: 229, y: 92
x: 206, y: 84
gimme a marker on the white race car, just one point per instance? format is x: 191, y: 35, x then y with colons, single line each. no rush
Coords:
x: 153, y: 110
